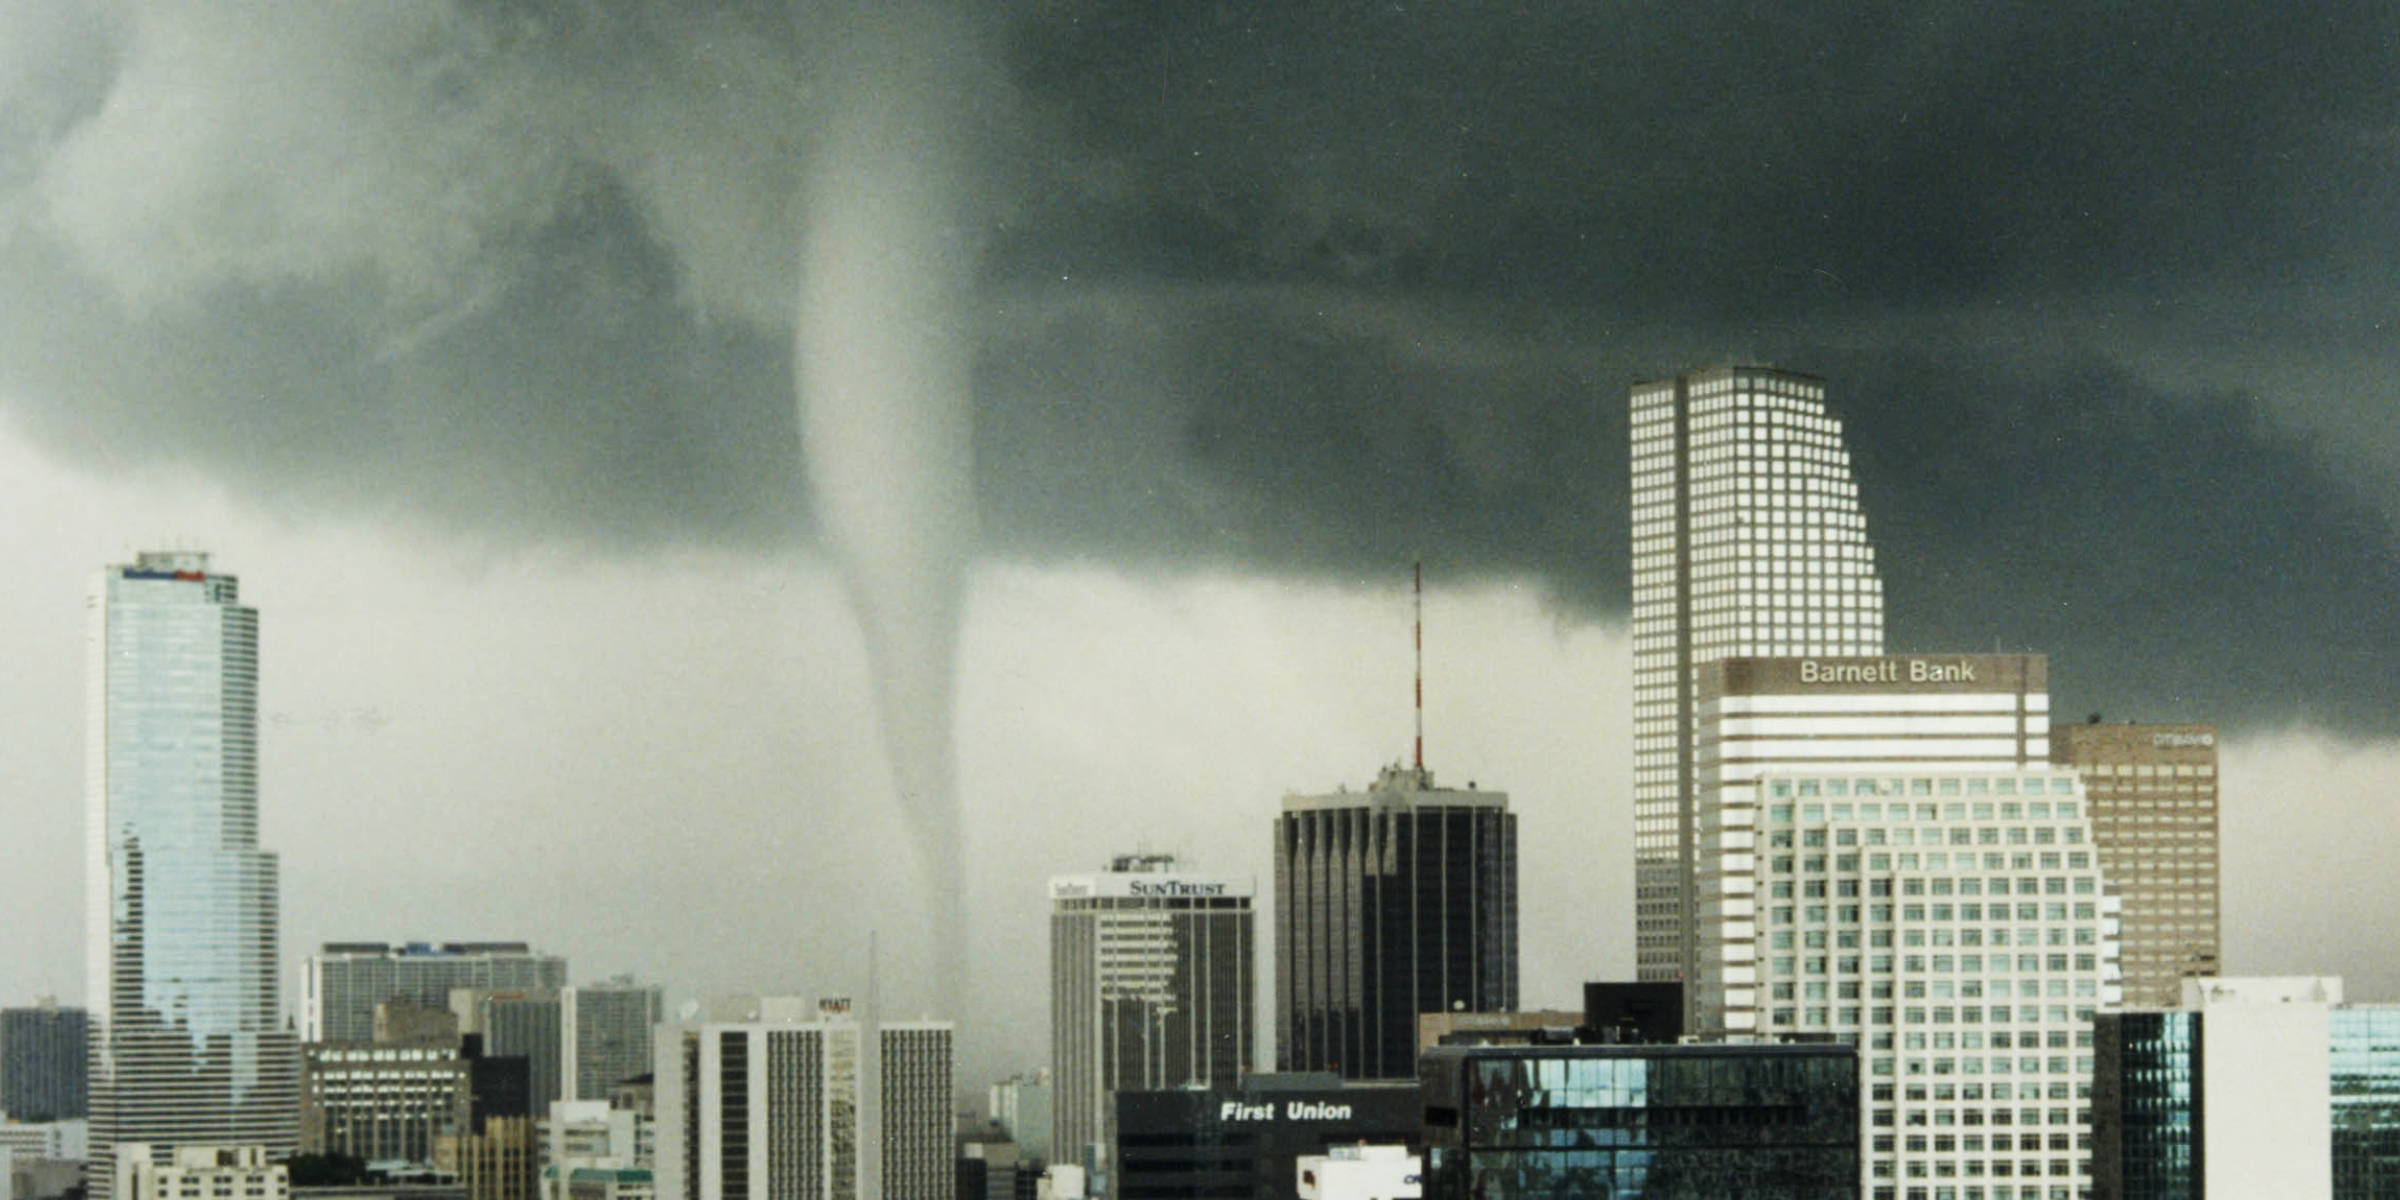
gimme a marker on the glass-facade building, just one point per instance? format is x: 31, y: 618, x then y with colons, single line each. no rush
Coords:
x: 1763, y: 1122
x: 1153, y: 985
x: 187, y: 1040
x: 1392, y: 902
x: 2364, y: 1044
x: 2250, y: 1087
x: 1748, y: 539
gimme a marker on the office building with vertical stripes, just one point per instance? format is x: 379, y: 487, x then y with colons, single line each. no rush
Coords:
x: 1748, y: 539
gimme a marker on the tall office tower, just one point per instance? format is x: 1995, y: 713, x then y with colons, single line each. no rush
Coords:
x: 1392, y: 902
x: 762, y: 1104
x: 44, y: 1053
x: 187, y: 1043
x: 342, y: 982
x: 1884, y: 716
x: 2153, y: 790
x: 1748, y: 539
x: 1887, y: 857
x: 604, y: 1036
x: 1152, y: 986
x: 920, y: 1133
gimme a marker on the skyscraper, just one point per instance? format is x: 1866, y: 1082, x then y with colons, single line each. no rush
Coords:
x: 2153, y: 790
x: 44, y: 1051
x: 342, y: 982
x: 760, y: 1104
x: 1748, y: 539
x: 604, y: 1038
x: 187, y: 1039
x: 1392, y: 902
x: 1152, y: 986
x: 1887, y: 857
x: 919, y: 1127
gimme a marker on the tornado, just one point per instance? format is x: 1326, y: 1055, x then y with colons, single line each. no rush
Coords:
x: 884, y: 364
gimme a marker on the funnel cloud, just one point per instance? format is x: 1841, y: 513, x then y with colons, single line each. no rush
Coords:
x: 1288, y: 291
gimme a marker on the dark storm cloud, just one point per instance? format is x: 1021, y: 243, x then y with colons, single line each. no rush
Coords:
x: 1307, y: 289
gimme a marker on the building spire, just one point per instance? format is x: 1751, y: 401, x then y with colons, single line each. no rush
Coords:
x: 1420, y: 604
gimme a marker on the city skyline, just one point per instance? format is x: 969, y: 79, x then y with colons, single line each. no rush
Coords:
x: 1533, y: 691
x: 480, y: 341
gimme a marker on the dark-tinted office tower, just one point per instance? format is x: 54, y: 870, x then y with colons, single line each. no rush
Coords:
x: 1152, y: 986
x: 43, y: 1053
x: 187, y: 1037
x: 1748, y: 539
x: 2153, y: 793
x: 1392, y: 902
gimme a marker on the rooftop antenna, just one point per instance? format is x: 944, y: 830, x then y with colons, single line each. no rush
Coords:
x: 1420, y: 604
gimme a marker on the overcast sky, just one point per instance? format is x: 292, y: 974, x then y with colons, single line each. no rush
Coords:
x: 464, y: 334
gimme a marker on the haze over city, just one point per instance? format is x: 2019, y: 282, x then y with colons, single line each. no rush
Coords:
x: 464, y: 335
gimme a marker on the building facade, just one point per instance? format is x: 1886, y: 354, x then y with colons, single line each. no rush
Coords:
x: 1023, y: 1106
x: 1890, y: 717
x: 1392, y: 902
x: 2249, y: 1087
x: 44, y: 1053
x: 1246, y: 1141
x: 1703, y: 1122
x: 919, y: 1130
x: 199, y: 1173
x: 763, y: 1106
x: 528, y: 1024
x: 187, y: 1041
x: 1886, y: 857
x: 1748, y: 540
x: 2153, y: 792
x: 1152, y: 985
x: 341, y: 983
x: 384, y: 1103
x: 605, y: 1035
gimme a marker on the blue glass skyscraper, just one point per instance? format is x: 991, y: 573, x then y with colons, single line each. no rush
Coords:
x: 187, y: 1041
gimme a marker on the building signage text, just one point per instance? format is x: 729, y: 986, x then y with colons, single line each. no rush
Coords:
x: 1915, y: 670
x: 1293, y: 1110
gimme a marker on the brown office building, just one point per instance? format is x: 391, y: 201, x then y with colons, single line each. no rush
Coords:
x: 2153, y: 797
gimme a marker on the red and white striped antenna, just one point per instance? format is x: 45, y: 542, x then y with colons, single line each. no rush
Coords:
x: 1420, y: 582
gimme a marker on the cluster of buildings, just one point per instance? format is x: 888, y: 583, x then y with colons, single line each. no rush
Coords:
x: 1901, y: 934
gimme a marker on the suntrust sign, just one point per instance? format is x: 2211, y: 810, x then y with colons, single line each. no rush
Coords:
x: 1146, y: 885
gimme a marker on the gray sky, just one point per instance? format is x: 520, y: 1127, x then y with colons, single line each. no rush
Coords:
x: 464, y: 334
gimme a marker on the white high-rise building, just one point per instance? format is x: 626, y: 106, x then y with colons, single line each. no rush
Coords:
x: 919, y: 1126
x: 188, y: 1044
x: 1885, y: 855
x: 760, y: 1104
x: 1748, y: 539
x: 1152, y: 986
